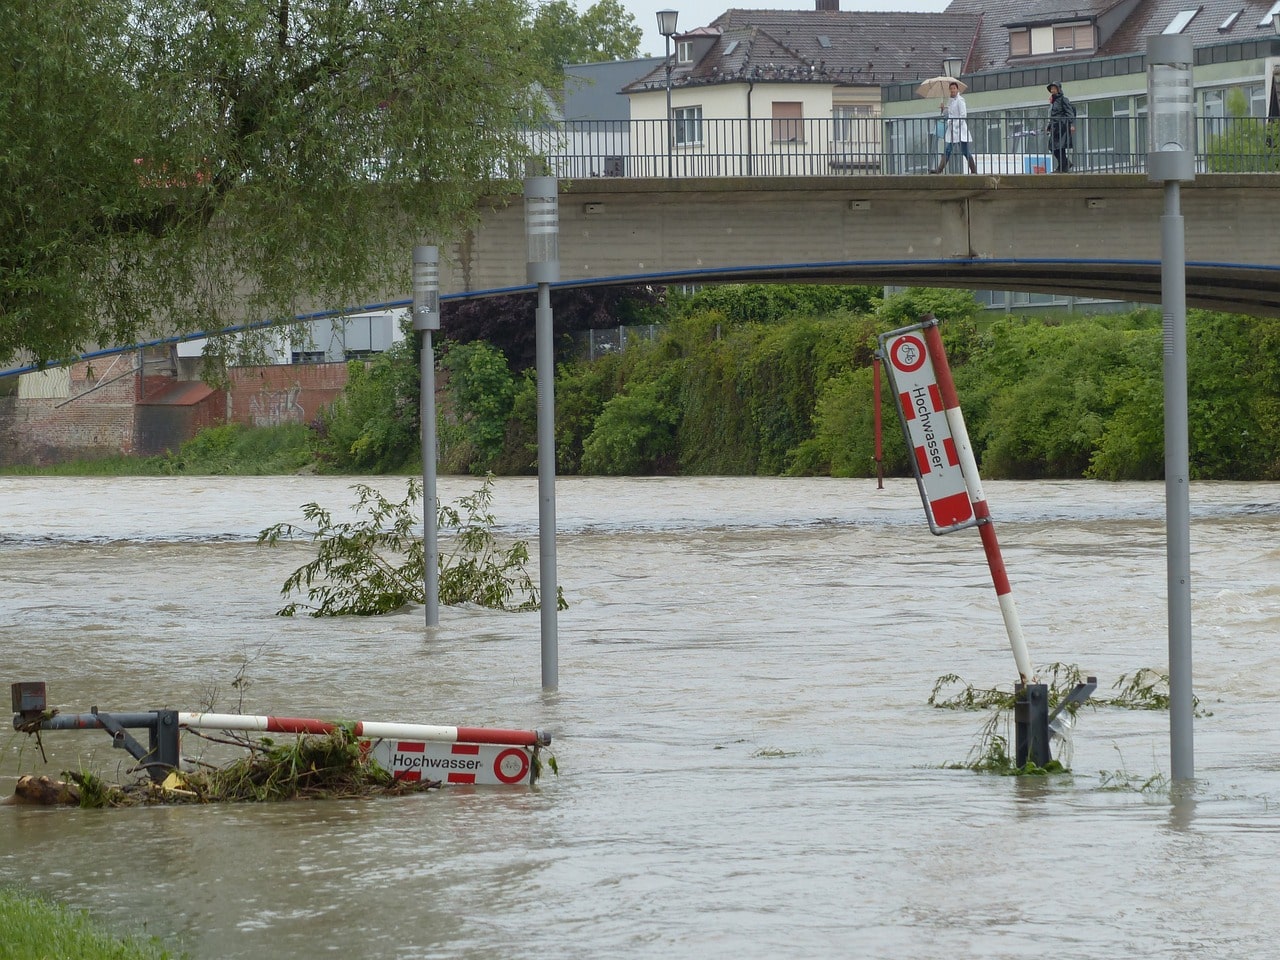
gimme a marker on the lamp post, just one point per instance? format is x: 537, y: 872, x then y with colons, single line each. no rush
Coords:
x: 1170, y: 159
x: 542, y: 229
x: 667, y: 27
x: 426, y: 317
x: 951, y: 67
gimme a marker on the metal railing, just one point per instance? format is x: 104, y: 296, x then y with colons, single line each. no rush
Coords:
x: 1001, y: 143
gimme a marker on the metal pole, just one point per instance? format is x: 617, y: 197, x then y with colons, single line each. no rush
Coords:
x: 875, y: 416
x: 547, y: 488
x: 542, y: 227
x: 426, y: 317
x: 1171, y: 140
x: 1173, y: 294
x: 430, y: 500
x: 670, y: 126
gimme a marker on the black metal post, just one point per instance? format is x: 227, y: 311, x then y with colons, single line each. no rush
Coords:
x: 1031, y: 725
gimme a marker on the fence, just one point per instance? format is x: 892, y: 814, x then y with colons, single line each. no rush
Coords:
x: 1002, y: 143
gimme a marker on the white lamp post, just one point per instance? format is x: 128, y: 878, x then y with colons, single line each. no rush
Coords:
x: 426, y: 317
x: 667, y: 27
x: 1171, y: 137
x: 542, y: 229
x: 951, y: 67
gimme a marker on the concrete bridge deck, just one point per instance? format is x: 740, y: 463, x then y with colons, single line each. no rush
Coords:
x: 1086, y: 235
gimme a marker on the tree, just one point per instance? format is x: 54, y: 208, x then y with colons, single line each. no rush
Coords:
x: 508, y: 322
x: 605, y: 31
x: 208, y: 162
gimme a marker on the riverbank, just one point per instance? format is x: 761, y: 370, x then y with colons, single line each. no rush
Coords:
x: 32, y: 928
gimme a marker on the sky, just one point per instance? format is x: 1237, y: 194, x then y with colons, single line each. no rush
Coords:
x: 699, y: 13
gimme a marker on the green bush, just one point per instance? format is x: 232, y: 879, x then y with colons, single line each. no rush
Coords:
x: 634, y: 434
x: 240, y: 450
x: 481, y: 391
x: 374, y: 426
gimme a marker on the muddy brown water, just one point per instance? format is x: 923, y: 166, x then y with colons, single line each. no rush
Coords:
x: 748, y: 766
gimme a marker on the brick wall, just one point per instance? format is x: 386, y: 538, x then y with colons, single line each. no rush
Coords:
x: 103, y: 414
x: 294, y: 393
x: 95, y: 419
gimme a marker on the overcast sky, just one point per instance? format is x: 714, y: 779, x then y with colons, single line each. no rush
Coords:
x: 699, y: 13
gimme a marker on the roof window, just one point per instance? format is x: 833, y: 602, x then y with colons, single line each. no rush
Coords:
x: 1179, y: 23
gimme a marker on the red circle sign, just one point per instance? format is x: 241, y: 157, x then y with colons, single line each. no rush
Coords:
x: 907, y: 354
x: 511, y: 772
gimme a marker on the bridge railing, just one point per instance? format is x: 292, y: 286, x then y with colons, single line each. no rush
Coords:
x: 691, y: 146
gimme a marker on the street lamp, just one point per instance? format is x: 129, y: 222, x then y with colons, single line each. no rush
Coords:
x: 426, y: 317
x: 1171, y: 138
x: 951, y: 66
x: 542, y: 229
x: 666, y: 27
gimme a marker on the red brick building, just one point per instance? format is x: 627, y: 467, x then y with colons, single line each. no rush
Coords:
x: 148, y: 403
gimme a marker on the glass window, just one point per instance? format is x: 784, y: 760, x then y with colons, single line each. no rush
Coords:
x: 1179, y: 23
x: 850, y: 123
x: 688, y: 125
x: 684, y: 51
x: 1266, y: 21
x: 1073, y: 36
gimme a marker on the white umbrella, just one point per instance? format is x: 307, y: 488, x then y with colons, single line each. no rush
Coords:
x: 939, y: 87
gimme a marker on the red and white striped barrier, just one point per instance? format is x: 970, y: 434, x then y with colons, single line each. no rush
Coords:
x: 986, y: 526
x: 412, y: 751
x: 945, y: 466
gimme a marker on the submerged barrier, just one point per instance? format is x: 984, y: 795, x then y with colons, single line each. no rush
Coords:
x: 411, y: 752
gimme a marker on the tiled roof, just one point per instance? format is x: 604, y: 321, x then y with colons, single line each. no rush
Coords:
x: 1135, y: 21
x: 1153, y: 16
x: 828, y: 46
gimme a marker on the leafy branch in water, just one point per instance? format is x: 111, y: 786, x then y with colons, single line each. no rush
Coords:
x: 374, y: 564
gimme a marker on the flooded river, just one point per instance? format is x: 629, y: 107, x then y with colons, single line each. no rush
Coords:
x: 748, y: 765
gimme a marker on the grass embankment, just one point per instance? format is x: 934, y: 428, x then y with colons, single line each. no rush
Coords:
x: 230, y: 450
x: 35, y: 929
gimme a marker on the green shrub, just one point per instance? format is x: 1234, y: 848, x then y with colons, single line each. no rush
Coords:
x: 481, y: 391
x: 634, y: 434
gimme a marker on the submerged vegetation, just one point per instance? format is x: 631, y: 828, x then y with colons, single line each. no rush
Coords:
x: 310, y: 767
x: 1146, y: 689
x: 375, y: 564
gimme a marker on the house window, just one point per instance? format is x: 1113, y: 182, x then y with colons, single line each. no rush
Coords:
x: 1266, y: 21
x: 1227, y: 24
x: 852, y: 123
x: 1179, y: 23
x: 688, y: 122
x: 684, y: 51
x: 788, y: 121
x: 1020, y: 43
x: 1073, y: 36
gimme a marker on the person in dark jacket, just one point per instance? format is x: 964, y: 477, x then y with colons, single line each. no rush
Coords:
x: 1061, y: 128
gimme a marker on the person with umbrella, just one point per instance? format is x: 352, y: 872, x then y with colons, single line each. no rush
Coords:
x: 1062, y: 125
x: 957, y: 128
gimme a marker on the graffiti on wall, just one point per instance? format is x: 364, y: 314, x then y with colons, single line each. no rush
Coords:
x: 271, y: 408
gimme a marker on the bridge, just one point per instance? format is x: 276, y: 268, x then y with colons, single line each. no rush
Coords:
x: 1093, y: 234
